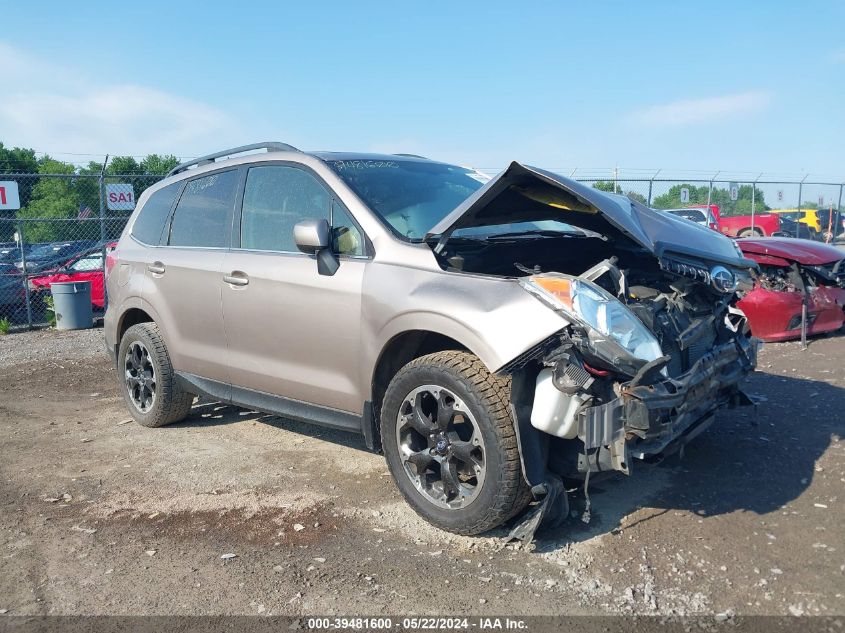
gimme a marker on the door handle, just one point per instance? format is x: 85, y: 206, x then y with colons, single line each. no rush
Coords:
x: 236, y: 278
x: 157, y: 268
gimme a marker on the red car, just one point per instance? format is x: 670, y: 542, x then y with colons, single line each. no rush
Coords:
x: 792, y: 271
x: 85, y: 267
x: 764, y: 224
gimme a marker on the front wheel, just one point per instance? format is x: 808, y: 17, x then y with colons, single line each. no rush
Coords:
x: 750, y: 233
x: 147, y: 379
x: 449, y: 442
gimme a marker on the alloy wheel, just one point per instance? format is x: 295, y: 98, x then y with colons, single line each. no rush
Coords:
x: 140, y: 376
x: 441, y: 446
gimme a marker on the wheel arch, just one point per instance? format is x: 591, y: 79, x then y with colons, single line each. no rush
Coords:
x: 132, y: 312
x: 398, y: 351
x: 133, y: 316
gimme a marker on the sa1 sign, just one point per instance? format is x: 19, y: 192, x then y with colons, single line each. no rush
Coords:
x: 9, y: 198
x: 684, y: 195
x: 120, y: 197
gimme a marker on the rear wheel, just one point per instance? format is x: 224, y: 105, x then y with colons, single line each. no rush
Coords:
x: 750, y: 233
x: 450, y: 445
x: 147, y: 380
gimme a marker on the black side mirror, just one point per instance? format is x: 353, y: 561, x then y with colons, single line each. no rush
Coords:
x: 314, y: 238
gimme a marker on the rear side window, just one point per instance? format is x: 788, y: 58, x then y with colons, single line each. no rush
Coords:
x: 203, y: 215
x: 153, y: 215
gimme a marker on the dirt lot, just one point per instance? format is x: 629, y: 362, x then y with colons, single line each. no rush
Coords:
x: 105, y: 517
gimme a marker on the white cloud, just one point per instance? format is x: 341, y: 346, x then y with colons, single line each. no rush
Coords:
x: 52, y: 108
x: 686, y: 111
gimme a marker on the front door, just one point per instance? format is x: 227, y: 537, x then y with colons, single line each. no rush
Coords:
x: 291, y: 331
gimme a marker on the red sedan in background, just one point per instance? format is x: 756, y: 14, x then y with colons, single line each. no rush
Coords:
x: 793, y: 271
x: 85, y: 267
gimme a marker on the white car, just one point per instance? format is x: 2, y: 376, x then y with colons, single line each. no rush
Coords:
x: 704, y: 217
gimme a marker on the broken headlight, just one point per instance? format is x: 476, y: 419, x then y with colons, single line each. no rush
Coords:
x: 609, y: 323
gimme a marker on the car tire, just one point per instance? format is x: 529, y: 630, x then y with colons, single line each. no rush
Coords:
x: 420, y: 449
x: 750, y: 233
x: 147, y: 380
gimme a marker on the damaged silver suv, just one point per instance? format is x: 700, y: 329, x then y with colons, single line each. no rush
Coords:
x: 493, y: 337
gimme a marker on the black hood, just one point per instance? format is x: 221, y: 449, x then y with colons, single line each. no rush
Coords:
x: 527, y: 194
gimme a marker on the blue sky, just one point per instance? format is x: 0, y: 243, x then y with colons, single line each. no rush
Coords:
x: 741, y: 87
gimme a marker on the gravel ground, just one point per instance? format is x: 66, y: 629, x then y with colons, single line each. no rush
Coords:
x: 234, y: 512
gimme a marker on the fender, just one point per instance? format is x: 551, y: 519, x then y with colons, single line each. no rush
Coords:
x: 437, y: 324
x: 494, y: 318
x: 112, y: 328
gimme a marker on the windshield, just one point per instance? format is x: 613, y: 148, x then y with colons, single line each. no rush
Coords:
x: 410, y: 196
x: 690, y: 214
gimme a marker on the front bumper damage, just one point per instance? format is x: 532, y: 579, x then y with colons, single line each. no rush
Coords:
x: 644, y: 421
x: 649, y: 420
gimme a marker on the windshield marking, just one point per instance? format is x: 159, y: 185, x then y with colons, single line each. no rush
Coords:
x: 365, y: 164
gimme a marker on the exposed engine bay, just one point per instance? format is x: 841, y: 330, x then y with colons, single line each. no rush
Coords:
x: 682, y: 309
x: 795, y: 278
x: 673, y: 297
x: 780, y: 279
x: 654, y: 345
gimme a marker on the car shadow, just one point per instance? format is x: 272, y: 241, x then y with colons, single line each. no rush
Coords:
x: 750, y: 461
x: 206, y: 412
x: 754, y: 459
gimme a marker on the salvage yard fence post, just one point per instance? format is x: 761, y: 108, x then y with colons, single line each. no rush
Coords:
x: 24, y: 280
x: 102, y: 190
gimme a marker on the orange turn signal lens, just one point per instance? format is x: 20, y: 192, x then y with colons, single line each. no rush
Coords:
x: 560, y: 289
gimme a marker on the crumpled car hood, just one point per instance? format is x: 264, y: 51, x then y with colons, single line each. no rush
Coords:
x: 804, y: 252
x: 524, y: 194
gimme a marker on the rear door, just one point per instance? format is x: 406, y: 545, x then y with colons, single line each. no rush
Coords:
x: 183, y: 280
x: 291, y: 331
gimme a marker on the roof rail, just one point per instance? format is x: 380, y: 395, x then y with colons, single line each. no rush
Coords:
x: 412, y: 156
x: 210, y: 158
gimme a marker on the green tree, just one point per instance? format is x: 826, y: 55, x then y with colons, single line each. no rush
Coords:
x: 124, y: 165
x: 158, y: 165
x: 605, y: 185
x: 719, y: 196
x: 52, y: 199
x: 611, y: 187
x: 16, y: 160
x: 672, y: 198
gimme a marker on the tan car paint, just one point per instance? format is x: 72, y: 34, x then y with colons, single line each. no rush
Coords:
x: 294, y: 333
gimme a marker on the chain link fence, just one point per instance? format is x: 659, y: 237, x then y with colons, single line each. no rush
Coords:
x: 59, y: 232
x: 64, y: 222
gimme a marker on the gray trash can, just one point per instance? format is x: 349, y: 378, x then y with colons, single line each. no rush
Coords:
x: 72, y: 303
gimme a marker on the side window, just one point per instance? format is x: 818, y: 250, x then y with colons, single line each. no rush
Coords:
x: 346, y: 237
x: 203, y: 213
x: 152, y: 217
x: 89, y: 262
x: 276, y: 198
